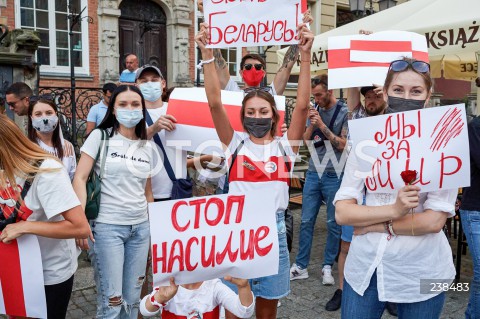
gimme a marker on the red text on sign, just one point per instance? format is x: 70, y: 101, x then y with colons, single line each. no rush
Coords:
x: 211, y: 211
x: 178, y: 254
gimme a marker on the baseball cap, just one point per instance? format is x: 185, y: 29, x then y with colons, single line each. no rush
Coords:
x: 148, y: 68
x: 365, y: 89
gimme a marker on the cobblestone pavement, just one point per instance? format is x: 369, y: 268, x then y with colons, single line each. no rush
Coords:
x: 307, y: 299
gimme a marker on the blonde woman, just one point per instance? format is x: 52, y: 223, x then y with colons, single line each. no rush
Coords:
x: 50, y: 209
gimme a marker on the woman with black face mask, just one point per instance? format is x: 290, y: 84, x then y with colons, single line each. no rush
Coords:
x: 263, y: 162
x: 399, y: 252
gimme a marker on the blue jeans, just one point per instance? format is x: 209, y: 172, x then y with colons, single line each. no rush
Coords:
x: 369, y: 307
x: 471, y: 228
x: 119, y: 258
x: 315, y: 191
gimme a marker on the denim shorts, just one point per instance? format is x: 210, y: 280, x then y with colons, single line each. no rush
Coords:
x: 347, y: 233
x: 275, y: 286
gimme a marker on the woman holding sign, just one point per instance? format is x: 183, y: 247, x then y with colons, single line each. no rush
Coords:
x: 261, y: 156
x: 399, y: 252
x: 36, y: 197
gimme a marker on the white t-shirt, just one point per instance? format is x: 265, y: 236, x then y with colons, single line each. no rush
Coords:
x: 204, y: 301
x: 127, y: 168
x: 50, y: 195
x: 233, y: 86
x: 261, y: 166
x: 161, y: 183
x: 69, y: 160
x: 403, y: 260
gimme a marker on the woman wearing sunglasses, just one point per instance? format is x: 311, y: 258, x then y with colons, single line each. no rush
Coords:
x: 49, y: 209
x: 44, y: 130
x: 396, y: 256
x: 260, y: 117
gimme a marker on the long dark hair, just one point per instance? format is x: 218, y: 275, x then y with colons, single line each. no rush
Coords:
x: 110, y: 121
x: 32, y: 133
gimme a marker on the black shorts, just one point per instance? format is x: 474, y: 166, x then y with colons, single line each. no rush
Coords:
x: 58, y: 297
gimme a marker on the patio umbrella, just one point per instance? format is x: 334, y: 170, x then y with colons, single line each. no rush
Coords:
x: 452, y: 31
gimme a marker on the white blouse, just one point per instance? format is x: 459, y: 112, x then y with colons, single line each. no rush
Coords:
x: 402, y: 261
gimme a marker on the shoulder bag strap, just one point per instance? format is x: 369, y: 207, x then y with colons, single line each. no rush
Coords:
x: 234, y: 157
x: 334, y: 117
x: 104, y: 147
x: 286, y: 159
x: 157, y: 140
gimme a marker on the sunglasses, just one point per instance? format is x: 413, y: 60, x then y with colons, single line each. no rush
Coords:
x: 267, y: 89
x: 402, y: 65
x: 316, y: 82
x: 12, y: 104
x: 257, y: 66
x: 36, y: 98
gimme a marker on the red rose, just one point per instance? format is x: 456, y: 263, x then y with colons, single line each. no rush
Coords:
x: 409, y: 176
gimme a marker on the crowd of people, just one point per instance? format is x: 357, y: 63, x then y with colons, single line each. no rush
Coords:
x: 385, y: 243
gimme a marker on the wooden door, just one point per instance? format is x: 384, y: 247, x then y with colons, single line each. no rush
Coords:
x: 143, y: 32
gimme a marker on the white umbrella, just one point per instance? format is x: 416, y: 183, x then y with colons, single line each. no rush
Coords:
x: 452, y: 31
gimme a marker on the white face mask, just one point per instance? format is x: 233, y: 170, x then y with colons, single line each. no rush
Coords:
x: 45, y: 124
x: 151, y: 91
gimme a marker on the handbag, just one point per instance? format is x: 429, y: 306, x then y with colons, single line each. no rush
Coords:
x: 288, y: 213
x: 182, y: 187
x: 94, y: 181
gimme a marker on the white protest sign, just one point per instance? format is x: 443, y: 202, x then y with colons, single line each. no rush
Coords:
x: 22, y: 291
x: 237, y: 23
x: 209, y: 237
x: 194, y: 128
x: 360, y: 60
x: 432, y: 141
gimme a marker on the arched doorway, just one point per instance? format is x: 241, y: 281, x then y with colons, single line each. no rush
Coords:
x: 143, y: 31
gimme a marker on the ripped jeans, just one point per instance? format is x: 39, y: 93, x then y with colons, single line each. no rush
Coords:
x: 119, y: 257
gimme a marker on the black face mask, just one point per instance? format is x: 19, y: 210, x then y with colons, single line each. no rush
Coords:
x: 258, y: 127
x: 398, y: 104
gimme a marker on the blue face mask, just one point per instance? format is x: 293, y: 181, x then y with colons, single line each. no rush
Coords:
x: 151, y: 91
x: 129, y: 118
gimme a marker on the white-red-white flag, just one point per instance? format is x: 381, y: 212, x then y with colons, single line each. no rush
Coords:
x: 22, y: 291
x: 195, y: 130
x: 361, y: 60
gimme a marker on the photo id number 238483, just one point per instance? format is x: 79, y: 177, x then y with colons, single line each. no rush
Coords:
x: 441, y: 286
x: 438, y: 286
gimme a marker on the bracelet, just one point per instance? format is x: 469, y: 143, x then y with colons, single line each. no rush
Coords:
x: 389, y: 228
x: 154, y: 301
x: 202, y: 62
x: 413, y: 234
x: 305, y: 61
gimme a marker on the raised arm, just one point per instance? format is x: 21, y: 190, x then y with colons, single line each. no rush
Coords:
x: 299, y: 115
x: 283, y: 74
x: 212, y: 88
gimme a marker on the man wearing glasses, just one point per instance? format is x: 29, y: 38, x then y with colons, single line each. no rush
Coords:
x: 18, y: 98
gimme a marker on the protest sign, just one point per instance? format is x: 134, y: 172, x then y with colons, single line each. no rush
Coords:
x: 432, y: 141
x: 236, y: 23
x: 204, y: 238
x: 195, y: 130
x: 360, y: 60
x: 22, y: 291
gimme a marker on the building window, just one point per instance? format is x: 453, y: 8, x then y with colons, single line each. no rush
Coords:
x: 49, y: 18
x: 232, y: 56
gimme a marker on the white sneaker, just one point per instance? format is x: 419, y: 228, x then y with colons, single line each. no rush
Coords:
x: 327, y: 275
x: 298, y: 273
